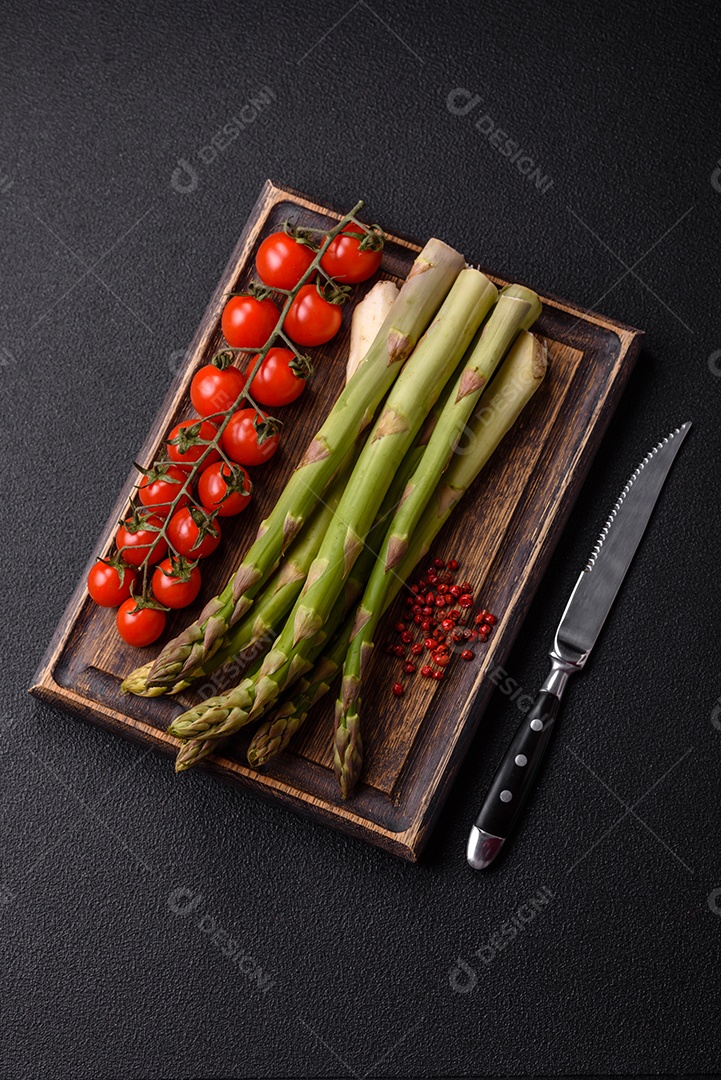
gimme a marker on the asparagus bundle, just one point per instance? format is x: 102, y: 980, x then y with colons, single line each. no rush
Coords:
x: 518, y: 379
x: 429, y: 281
x: 407, y: 405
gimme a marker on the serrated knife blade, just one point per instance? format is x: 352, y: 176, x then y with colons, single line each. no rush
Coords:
x: 577, y: 633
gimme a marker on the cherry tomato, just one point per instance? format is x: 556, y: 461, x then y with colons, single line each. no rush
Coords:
x: 214, y: 391
x: 248, y: 323
x: 241, y: 439
x: 184, y: 534
x: 311, y: 320
x: 188, y: 450
x: 217, y: 481
x: 134, y: 541
x: 345, y: 262
x: 282, y: 261
x: 141, y: 626
x: 161, y: 488
x: 174, y: 586
x: 276, y: 382
x: 105, y: 586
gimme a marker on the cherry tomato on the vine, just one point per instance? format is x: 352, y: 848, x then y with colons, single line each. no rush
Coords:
x: 184, y: 533
x: 277, y: 381
x: 176, y: 586
x: 215, y: 390
x: 162, y: 487
x: 282, y: 261
x: 312, y: 320
x: 247, y: 323
x: 134, y: 541
x: 139, y: 626
x: 192, y: 436
x: 222, y: 487
x: 105, y: 586
x: 244, y: 443
x: 346, y: 263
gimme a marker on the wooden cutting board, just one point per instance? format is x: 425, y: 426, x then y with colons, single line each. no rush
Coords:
x: 504, y: 532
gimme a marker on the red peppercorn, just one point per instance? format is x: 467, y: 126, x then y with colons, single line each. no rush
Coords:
x: 446, y: 578
x: 415, y: 588
x: 439, y: 564
x: 482, y: 635
x: 427, y: 610
x: 465, y: 601
x: 409, y: 667
x: 465, y: 586
x: 455, y: 614
x: 467, y: 654
x: 453, y: 564
x: 472, y: 635
x: 442, y: 589
x: 398, y: 650
x: 491, y: 620
x: 426, y: 626
x: 447, y: 624
x: 441, y: 648
x: 400, y: 627
x: 406, y: 637
x: 429, y: 598
x: 430, y: 643
x: 426, y: 671
x: 455, y: 590
x: 438, y: 674
x: 457, y: 636
x: 441, y: 601
x: 417, y: 620
x: 398, y: 689
x: 480, y: 618
x: 417, y: 649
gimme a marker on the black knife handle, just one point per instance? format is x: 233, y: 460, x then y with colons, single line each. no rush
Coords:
x: 513, y: 780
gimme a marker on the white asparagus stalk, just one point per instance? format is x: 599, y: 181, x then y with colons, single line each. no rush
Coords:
x: 367, y: 320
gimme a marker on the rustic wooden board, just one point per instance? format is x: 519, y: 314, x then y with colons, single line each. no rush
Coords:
x: 507, y: 529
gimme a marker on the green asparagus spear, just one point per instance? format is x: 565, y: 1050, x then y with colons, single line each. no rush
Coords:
x: 518, y: 379
x: 428, y: 282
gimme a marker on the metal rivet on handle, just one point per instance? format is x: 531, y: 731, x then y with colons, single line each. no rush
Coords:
x: 536, y: 725
x: 521, y: 759
x: 506, y: 796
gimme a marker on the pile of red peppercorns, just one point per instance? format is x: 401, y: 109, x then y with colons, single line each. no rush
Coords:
x: 439, y: 606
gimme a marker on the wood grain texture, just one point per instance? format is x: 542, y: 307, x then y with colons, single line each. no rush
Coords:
x: 505, y: 532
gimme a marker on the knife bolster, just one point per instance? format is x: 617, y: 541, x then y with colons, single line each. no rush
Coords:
x: 558, y: 676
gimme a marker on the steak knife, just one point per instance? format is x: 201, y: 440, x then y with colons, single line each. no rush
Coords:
x: 578, y: 630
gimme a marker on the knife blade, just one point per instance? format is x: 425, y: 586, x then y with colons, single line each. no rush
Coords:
x: 581, y: 623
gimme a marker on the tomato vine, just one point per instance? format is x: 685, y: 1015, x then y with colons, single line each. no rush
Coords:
x: 182, y: 474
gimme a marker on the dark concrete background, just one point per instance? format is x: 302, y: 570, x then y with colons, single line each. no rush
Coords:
x: 106, y: 270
